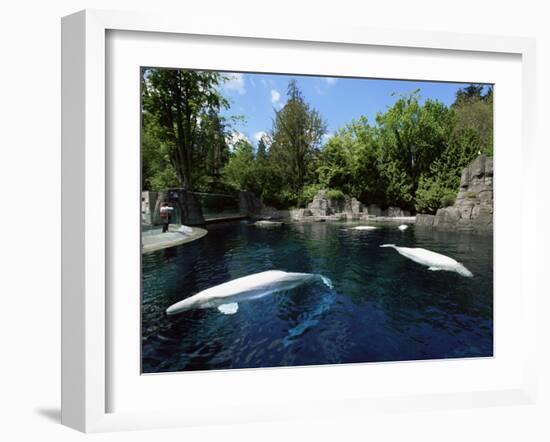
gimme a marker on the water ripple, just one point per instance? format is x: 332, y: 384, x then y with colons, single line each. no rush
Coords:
x: 383, y: 307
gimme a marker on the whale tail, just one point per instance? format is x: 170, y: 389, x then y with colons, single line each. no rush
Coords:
x: 393, y: 246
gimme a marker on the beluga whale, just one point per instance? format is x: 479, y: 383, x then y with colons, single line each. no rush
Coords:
x: 434, y: 261
x: 226, y: 297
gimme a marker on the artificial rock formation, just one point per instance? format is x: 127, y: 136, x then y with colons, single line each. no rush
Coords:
x: 344, y: 208
x: 393, y: 212
x: 473, y: 208
x: 187, y: 209
x: 322, y: 205
x: 250, y: 204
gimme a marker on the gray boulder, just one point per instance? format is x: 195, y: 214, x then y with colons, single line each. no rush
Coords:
x: 473, y: 208
x: 424, y: 220
x: 395, y: 212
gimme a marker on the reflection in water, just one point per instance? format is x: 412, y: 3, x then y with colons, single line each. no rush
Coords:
x: 383, y: 307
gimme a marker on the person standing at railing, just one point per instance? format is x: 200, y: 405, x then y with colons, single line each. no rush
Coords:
x: 166, y: 215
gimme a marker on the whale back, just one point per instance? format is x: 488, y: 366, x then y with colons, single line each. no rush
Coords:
x: 256, y: 281
x: 246, y: 287
x: 434, y: 260
x: 427, y: 257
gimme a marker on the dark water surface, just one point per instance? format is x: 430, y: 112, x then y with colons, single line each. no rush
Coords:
x: 383, y: 307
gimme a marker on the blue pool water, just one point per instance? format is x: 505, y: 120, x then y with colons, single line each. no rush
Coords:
x: 382, y: 307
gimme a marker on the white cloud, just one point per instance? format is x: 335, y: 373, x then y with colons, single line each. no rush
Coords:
x: 275, y: 96
x: 234, y: 137
x: 322, y: 86
x: 235, y: 82
x: 259, y: 135
x: 276, y: 99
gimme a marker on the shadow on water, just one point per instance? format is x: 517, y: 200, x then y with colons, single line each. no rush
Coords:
x: 383, y: 307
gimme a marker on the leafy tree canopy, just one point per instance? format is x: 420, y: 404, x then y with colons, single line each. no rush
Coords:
x: 411, y: 156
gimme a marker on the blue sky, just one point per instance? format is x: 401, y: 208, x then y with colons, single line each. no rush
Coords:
x: 339, y: 100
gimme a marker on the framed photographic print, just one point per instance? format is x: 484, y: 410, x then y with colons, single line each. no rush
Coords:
x: 291, y: 223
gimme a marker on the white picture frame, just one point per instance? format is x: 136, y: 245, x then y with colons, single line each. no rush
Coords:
x: 86, y: 217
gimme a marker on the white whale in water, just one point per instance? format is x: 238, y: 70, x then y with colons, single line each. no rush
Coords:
x: 365, y: 228
x: 403, y: 227
x: 434, y: 261
x: 226, y: 296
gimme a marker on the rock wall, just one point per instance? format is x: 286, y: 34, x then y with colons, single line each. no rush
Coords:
x: 187, y: 208
x: 473, y: 208
x: 252, y: 206
x: 322, y: 205
x: 346, y: 208
x: 249, y: 204
x: 148, y: 203
x: 393, y: 212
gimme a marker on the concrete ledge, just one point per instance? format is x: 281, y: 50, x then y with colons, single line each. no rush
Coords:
x: 152, y: 242
x: 403, y: 219
x: 267, y: 223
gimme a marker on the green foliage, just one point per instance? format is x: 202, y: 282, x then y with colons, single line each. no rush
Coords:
x: 181, y: 113
x: 335, y: 194
x: 156, y: 173
x: 296, y: 138
x: 284, y: 166
x: 241, y: 170
x: 309, y: 192
x: 433, y: 194
x: 412, y: 137
x: 471, y: 134
x: 447, y: 200
x: 473, y: 120
x: 350, y: 161
x: 217, y: 202
x: 411, y: 157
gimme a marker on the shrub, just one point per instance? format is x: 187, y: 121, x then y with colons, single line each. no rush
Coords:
x: 447, y: 200
x: 335, y: 194
x: 308, y: 192
x: 433, y: 194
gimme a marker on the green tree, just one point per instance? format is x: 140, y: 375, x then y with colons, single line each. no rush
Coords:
x: 212, y: 152
x: 261, y: 152
x: 295, y: 140
x: 241, y: 170
x: 473, y: 119
x: 412, y: 136
x: 157, y: 172
x: 176, y: 101
x: 471, y: 135
x: 473, y: 92
x: 350, y: 162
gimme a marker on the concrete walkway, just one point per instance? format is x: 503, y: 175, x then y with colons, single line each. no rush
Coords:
x: 153, y: 240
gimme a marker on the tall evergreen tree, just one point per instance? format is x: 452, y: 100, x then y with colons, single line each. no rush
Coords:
x: 261, y: 153
x: 296, y: 138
